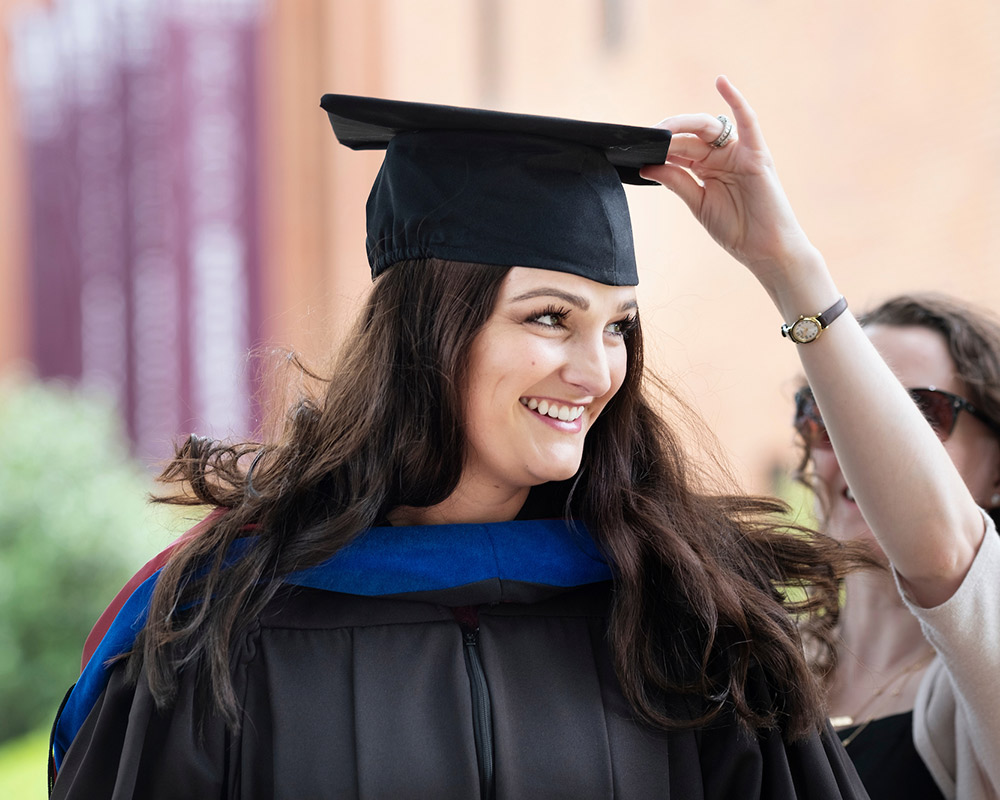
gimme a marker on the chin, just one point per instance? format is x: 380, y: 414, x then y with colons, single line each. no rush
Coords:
x: 552, y: 473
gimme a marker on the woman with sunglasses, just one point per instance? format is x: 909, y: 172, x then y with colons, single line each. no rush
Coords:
x: 888, y: 684
x: 919, y: 490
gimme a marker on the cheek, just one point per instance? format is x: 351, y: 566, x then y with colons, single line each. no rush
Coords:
x: 479, y: 396
x: 978, y: 462
x: 618, y: 366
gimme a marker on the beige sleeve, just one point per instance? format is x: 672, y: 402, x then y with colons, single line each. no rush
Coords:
x: 956, y: 719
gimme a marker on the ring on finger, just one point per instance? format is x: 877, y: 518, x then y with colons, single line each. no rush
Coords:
x: 727, y: 130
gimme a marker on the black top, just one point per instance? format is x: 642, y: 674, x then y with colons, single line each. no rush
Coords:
x: 887, y: 760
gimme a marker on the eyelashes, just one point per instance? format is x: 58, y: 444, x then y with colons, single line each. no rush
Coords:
x: 550, y: 316
x: 626, y: 325
x: 555, y: 317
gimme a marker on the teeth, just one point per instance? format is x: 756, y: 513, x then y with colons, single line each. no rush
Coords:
x: 849, y: 494
x: 562, y: 413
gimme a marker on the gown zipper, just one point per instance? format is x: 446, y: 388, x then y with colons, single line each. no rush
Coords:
x: 482, y: 724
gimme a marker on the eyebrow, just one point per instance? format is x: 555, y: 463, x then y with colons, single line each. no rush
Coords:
x: 573, y: 299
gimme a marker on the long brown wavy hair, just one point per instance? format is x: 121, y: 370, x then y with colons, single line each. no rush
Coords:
x: 700, y: 607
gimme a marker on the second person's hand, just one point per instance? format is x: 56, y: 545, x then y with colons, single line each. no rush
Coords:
x: 734, y: 192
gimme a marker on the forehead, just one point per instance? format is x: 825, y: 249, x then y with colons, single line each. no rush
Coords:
x: 522, y: 281
x: 919, y: 356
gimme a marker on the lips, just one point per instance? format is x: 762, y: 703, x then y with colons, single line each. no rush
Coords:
x: 547, y: 408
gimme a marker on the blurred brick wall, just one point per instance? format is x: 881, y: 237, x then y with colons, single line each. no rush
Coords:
x: 13, y: 325
x: 883, y: 119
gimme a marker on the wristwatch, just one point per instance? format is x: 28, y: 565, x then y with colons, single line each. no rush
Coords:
x: 808, y: 329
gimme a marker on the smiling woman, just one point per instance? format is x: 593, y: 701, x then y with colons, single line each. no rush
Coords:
x: 542, y: 369
x: 477, y: 565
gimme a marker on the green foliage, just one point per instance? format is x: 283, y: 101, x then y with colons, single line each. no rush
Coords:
x: 801, y: 501
x: 801, y: 511
x: 73, y: 527
x: 23, y: 770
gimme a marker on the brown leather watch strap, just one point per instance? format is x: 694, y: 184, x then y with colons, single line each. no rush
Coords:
x: 832, y: 312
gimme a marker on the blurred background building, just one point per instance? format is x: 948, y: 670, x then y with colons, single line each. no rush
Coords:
x: 172, y: 201
x: 172, y: 197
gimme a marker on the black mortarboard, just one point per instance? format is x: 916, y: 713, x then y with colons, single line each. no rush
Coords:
x: 466, y: 184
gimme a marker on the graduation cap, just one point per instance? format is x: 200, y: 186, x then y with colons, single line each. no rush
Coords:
x: 491, y: 187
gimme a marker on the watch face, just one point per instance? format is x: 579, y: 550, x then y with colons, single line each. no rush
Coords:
x: 805, y: 330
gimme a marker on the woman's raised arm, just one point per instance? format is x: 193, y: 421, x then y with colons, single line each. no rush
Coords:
x: 909, y: 491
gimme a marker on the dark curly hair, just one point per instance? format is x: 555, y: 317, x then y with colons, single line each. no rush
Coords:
x: 972, y: 335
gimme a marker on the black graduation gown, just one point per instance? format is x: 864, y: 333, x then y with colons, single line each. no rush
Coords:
x: 349, y: 696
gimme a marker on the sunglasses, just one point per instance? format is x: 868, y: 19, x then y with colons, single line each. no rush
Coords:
x: 940, y: 409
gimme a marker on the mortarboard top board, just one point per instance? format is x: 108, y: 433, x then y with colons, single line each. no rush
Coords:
x: 369, y: 123
x: 493, y: 187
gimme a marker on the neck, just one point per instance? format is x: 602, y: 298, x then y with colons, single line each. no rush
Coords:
x: 464, y: 506
x: 873, y: 604
x: 882, y: 653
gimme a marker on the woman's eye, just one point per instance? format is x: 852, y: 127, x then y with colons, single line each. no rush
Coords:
x: 550, y: 318
x: 622, y: 327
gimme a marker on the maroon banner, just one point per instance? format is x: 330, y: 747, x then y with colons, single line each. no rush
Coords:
x: 214, y: 132
x: 142, y: 136
x: 154, y: 389
x: 49, y: 122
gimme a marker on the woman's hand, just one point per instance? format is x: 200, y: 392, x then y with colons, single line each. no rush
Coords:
x: 734, y: 191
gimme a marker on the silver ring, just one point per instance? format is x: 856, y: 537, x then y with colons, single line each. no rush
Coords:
x: 727, y: 130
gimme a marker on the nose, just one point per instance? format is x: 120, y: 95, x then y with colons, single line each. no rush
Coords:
x: 588, y: 365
